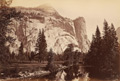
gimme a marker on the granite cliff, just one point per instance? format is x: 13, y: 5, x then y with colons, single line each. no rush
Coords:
x: 59, y: 31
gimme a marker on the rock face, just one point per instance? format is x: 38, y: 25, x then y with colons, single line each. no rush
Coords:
x: 59, y: 31
x: 80, y: 30
x: 118, y: 33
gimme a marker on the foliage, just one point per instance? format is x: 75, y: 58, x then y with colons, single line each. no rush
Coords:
x: 21, y: 56
x: 103, y: 56
x: 68, y: 55
x: 71, y: 56
x: 111, y: 52
x: 41, y: 46
x: 6, y: 15
x: 5, y: 3
x: 50, y: 58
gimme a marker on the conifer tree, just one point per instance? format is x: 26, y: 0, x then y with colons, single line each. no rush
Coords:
x: 111, y: 54
x: 44, y: 46
x: 41, y: 46
x: 38, y: 46
x: 93, y: 57
x: 115, y: 51
x: 104, y: 53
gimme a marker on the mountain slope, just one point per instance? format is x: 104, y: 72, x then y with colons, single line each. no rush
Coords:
x: 59, y: 31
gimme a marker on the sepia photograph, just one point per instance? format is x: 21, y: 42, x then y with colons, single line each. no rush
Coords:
x: 59, y: 40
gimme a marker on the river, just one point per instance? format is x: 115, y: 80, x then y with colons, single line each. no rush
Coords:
x: 74, y: 73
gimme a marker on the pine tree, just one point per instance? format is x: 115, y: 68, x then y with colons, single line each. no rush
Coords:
x: 116, y: 52
x: 44, y: 46
x: 98, y: 46
x: 38, y: 45
x: 93, y: 57
x: 104, y: 53
x: 113, y: 54
x: 41, y: 46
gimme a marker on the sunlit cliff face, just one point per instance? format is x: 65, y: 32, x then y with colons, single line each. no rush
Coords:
x: 94, y: 11
x: 59, y: 31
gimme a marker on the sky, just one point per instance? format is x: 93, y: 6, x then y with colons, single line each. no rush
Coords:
x: 94, y: 11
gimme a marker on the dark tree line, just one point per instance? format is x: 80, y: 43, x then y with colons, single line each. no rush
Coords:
x: 40, y: 53
x: 104, y: 53
x: 72, y: 57
x: 6, y: 14
x: 50, y: 58
x: 22, y: 56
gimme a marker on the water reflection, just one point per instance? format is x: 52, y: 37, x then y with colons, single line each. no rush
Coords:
x: 73, y: 73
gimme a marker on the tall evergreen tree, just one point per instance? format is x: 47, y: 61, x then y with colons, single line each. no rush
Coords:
x: 107, y: 42
x: 104, y: 53
x: 38, y: 45
x: 93, y: 57
x: 115, y: 51
x: 112, y: 56
x: 44, y: 46
x: 41, y: 46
